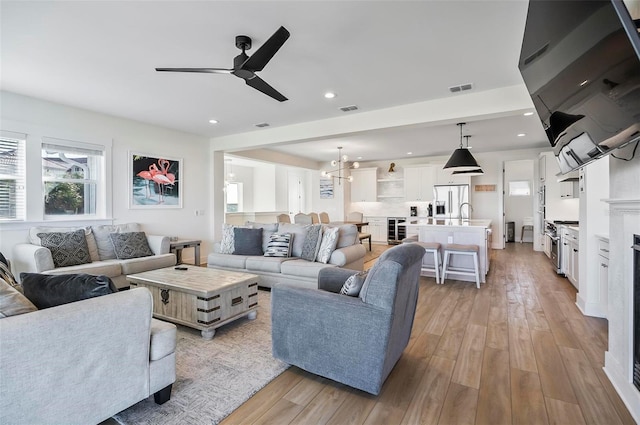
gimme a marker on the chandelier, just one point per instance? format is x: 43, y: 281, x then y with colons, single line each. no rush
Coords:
x: 342, y: 164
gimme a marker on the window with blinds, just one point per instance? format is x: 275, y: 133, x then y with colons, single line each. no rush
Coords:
x: 12, y: 178
x: 72, y: 175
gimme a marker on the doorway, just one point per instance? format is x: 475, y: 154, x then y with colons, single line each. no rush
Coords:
x: 296, y: 189
x: 518, y: 201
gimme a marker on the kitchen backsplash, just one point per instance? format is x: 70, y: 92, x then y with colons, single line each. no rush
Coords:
x: 391, y: 208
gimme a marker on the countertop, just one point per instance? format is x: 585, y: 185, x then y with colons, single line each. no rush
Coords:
x: 445, y: 222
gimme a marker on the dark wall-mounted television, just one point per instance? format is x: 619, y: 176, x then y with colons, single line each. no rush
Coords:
x: 580, y: 61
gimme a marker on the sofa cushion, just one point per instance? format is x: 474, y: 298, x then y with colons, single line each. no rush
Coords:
x: 267, y: 230
x: 216, y: 259
x: 353, y: 284
x: 163, y: 339
x: 103, y: 239
x: 67, y: 248
x: 265, y: 264
x: 144, y: 264
x: 247, y: 241
x: 110, y: 268
x: 347, y: 236
x: 298, y: 233
x: 312, y: 241
x: 329, y: 240
x: 303, y: 268
x: 46, y: 291
x: 130, y: 245
x: 34, y: 239
x: 13, y: 302
x: 279, y: 245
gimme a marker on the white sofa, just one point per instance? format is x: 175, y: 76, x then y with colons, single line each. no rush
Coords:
x: 33, y: 258
x: 349, y: 254
x: 81, y: 362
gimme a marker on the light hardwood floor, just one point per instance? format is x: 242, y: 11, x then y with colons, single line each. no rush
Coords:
x: 516, y: 351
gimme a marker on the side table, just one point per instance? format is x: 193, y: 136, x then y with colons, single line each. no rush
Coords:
x: 180, y: 244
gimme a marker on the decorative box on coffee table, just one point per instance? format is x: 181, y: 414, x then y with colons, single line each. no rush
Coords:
x: 199, y: 297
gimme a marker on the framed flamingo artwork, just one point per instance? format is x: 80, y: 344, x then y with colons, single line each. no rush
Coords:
x: 155, y: 181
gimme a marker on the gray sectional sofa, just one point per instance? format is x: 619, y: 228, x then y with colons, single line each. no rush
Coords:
x: 34, y: 258
x: 81, y: 362
x: 349, y: 253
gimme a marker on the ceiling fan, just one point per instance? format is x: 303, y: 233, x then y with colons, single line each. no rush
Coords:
x: 245, y: 67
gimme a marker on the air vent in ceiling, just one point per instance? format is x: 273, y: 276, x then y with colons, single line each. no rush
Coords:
x: 536, y: 54
x: 263, y: 124
x: 348, y: 108
x: 461, y: 87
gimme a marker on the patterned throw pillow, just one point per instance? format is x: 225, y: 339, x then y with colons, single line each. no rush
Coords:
x: 67, y: 248
x: 227, y: 245
x: 353, y: 284
x: 130, y: 245
x: 279, y: 245
x: 311, y: 243
x: 329, y: 241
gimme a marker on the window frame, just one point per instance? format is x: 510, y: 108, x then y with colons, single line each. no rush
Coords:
x: 20, y: 178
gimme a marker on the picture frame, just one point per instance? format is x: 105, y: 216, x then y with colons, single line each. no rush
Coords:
x: 155, y: 181
x: 326, y: 188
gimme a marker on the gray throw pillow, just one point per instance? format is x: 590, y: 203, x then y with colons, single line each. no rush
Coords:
x: 279, y: 245
x: 67, y: 248
x: 50, y: 290
x: 311, y: 243
x: 353, y: 284
x: 247, y: 241
x: 130, y: 245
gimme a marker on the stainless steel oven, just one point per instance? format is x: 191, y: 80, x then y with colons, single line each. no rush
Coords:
x: 555, y: 243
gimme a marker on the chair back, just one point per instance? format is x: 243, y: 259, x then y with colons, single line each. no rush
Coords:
x: 354, y: 216
x: 302, y: 218
x: 284, y: 218
x: 527, y: 221
x: 324, y: 218
x: 314, y: 218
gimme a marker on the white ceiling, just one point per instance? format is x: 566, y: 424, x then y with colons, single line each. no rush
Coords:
x: 375, y: 54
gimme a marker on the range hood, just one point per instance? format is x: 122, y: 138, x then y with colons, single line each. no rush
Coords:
x: 571, y: 176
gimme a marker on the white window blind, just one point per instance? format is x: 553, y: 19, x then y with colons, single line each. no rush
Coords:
x: 12, y: 176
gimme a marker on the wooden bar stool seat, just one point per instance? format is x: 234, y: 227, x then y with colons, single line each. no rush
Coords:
x: 431, y: 249
x: 458, y: 249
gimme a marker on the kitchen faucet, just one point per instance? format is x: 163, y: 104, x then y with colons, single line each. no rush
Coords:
x: 470, y: 209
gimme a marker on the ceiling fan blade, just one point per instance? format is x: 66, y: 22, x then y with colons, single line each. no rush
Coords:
x: 204, y: 70
x: 259, y: 84
x: 263, y: 55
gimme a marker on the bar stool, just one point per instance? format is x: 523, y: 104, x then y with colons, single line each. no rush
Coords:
x: 457, y: 249
x: 527, y: 224
x: 432, y: 248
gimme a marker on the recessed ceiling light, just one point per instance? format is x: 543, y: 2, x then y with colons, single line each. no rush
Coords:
x: 521, y: 134
x: 213, y: 121
x: 584, y: 82
x: 359, y: 157
x: 528, y: 114
x: 329, y: 95
x: 409, y: 153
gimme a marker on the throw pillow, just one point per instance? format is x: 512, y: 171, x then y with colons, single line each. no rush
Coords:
x: 226, y: 243
x: 102, y: 235
x: 353, y: 284
x: 6, y: 275
x: 312, y: 241
x: 279, y: 245
x: 45, y: 290
x: 298, y: 233
x: 328, y: 244
x: 247, y: 241
x: 67, y: 248
x: 130, y: 245
x: 267, y: 230
x: 12, y: 302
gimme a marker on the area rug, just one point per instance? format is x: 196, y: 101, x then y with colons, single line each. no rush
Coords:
x: 214, y: 377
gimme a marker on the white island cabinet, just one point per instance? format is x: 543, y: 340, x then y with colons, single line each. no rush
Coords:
x: 465, y: 232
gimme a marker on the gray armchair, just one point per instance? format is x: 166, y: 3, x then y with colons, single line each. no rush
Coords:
x: 353, y: 340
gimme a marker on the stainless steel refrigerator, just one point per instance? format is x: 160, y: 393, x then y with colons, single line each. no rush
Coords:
x: 449, y: 198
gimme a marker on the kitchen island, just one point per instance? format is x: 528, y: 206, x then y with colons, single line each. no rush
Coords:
x: 465, y: 232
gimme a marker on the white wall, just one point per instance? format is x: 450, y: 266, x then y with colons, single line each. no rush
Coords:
x: 518, y: 207
x: 38, y: 118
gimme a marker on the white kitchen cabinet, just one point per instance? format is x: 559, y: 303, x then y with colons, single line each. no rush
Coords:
x: 364, y: 185
x: 418, y: 183
x: 573, y: 258
x: 377, y: 228
x: 565, y: 254
x: 603, y: 274
x: 568, y: 189
x: 446, y: 177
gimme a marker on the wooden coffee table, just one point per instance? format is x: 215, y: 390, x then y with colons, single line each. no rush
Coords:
x: 199, y: 297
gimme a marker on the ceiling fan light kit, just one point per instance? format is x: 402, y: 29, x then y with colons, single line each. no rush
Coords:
x: 245, y: 66
x: 461, y: 159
